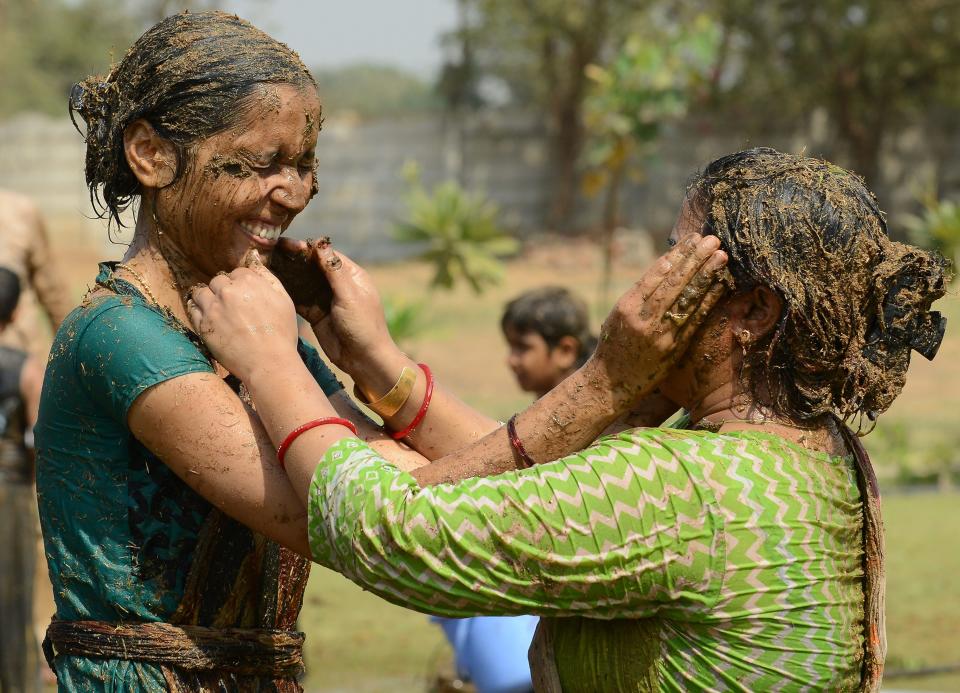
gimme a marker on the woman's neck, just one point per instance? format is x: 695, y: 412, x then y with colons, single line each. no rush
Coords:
x: 158, y: 267
x: 730, y: 407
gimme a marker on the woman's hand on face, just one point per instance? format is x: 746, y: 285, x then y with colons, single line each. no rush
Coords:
x: 354, y: 332
x: 650, y: 327
x: 245, y: 318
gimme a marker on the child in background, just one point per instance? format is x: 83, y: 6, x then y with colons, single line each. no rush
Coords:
x: 549, y: 337
x: 21, y: 377
x: 548, y: 332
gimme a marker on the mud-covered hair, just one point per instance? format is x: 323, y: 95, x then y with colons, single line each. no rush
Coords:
x: 9, y: 293
x: 190, y: 76
x: 552, y: 312
x: 855, y: 303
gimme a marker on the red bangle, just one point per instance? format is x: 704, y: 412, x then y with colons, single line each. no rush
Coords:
x: 517, y: 443
x: 427, y: 396
x: 295, y: 433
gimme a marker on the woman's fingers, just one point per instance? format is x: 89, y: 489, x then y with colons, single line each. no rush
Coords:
x: 710, y: 299
x: 679, y: 279
x: 219, y: 281
x: 199, y: 302
x: 666, y: 264
x: 337, y: 267
x: 253, y: 263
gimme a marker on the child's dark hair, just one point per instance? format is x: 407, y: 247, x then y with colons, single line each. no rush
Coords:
x: 552, y: 312
x: 9, y: 294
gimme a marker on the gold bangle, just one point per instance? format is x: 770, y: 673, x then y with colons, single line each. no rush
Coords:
x: 390, y: 403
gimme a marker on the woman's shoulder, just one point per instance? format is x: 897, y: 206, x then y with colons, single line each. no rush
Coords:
x: 106, y: 319
x: 740, y: 454
x: 115, y: 346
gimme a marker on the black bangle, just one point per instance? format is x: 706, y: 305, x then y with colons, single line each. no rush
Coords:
x: 517, y: 443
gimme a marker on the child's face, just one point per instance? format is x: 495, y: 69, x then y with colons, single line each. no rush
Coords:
x: 537, y: 367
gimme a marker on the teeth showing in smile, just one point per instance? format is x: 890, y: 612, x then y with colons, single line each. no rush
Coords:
x: 258, y: 228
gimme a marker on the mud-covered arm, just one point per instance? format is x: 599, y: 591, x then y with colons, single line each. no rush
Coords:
x: 641, y: 339
x: 613, y: 532
x: 396, y: 452
x: 199, y: 428
x: 638, y: 346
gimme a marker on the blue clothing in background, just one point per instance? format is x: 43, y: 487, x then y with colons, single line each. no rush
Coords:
x: 491, y: 651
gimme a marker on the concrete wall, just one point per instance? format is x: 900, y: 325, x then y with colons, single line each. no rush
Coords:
x: 504, y: 154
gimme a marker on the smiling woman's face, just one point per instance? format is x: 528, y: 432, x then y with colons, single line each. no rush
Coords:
x: 245, y: 185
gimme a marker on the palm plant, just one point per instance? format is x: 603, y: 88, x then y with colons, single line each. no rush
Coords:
x: 937, y: 226
x: 459, y: 231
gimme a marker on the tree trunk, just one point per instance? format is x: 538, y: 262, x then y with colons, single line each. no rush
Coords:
x: 611, y: 220
x: 862, y: 129
x: 567, y: 81
x: 567, y: 145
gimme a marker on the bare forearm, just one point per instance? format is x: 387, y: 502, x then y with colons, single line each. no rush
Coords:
x: 287, y: 396
x: 565, y: 420
x: 449, y: 425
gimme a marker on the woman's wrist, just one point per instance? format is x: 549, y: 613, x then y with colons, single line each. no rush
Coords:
x: 283, y: 369
x: 379, y: 371
x: 610, y: 396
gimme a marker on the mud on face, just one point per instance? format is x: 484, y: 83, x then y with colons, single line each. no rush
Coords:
x: 190, y: 76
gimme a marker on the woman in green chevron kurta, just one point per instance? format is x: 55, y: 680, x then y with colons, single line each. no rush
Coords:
x: 742, y: 552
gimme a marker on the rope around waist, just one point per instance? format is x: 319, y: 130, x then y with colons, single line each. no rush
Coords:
x: 251, y: 651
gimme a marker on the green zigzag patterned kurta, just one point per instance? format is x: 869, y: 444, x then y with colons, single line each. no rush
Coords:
x: 736, y: 557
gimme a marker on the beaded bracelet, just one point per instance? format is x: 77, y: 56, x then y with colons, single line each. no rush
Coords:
x: 427, y: 396
x: 295, y: 433
x: 517, y: 443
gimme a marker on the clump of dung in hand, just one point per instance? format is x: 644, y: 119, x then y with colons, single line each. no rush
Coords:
x: 295, y: 265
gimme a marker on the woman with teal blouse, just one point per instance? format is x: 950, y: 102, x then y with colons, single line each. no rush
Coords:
x: 740, y: 549
x: 177, y: 549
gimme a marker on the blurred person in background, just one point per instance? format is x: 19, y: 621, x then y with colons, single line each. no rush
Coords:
x: 548, y: 334
x: 25, y: 249
x: 21, y: 378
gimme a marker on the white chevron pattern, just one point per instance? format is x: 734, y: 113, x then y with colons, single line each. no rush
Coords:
x: 742, y: 546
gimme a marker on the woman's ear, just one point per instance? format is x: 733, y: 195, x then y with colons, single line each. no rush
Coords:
x: 756, y: 311
x: 151, y: 157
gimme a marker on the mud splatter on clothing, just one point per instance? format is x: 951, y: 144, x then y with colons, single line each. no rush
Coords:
x: 121, y: 529
x: 704, y: 561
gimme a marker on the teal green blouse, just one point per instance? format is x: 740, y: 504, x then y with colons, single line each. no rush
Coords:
x: 119, y: 526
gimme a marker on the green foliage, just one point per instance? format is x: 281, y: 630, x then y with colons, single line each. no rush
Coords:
x: 539, y: 47
x: 906, y: 458
x: 871, y: 65
x: 373, y: 90
x: 937, y: 227
x: 460, y: 232
x: 538, y: 50
x: 404, y: 320
x: 650, y: 82
x: 48, y: 45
